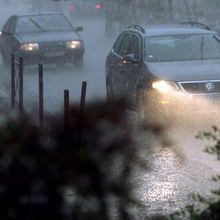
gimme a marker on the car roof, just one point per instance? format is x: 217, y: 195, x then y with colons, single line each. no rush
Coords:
x: 39, y: 13
x: 164, y: 30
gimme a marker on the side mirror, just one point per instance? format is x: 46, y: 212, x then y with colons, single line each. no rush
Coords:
x: 130, y: 58
x: 78, y: 28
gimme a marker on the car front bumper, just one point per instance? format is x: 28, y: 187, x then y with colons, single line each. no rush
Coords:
x: 180, y: 103
x: 51, y: 57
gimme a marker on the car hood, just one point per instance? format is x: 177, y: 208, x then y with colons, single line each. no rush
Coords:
x: 47, y: 36
x: 186, y: 70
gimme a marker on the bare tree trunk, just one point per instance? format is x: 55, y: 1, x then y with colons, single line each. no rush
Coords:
x: 170, y: 10
x: 187, y: 9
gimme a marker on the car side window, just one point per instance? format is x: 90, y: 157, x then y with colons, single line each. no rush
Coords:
x: 9, y: 26
x: 134, y: 47
x: 118, y: 42
x: 123, y: 50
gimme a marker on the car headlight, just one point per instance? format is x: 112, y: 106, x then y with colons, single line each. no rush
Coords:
x: 29, y: 47
x: 73, y: 44
x: 164, y: 86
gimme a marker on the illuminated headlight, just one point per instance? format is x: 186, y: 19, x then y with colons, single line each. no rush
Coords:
x: 73, y: 44
x: 164, y: 86
x: 29, y: 47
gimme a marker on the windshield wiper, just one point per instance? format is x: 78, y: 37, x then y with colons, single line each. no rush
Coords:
x: 37, y: 24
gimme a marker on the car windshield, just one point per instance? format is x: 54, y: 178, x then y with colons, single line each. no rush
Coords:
x: 39, y: 23
x: 182, y: 48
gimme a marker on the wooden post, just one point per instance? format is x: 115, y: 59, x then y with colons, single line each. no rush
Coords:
x: 21, y: 107
x: 12, y: 80
x: 66, y: 108
x: 83, y: 96
x: 41, y: 96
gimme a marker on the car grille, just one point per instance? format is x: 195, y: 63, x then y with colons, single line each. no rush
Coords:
x: 53, y: 46
x: 213, y: 98
x: 208, y: 91
x: 201, y: 87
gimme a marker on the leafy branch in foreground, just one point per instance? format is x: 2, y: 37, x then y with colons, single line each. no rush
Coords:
x: 80, y: 170
x: 210, y: 206
x: 214, y: 136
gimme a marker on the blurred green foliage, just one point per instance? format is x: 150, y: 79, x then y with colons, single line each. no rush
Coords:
x: 77, y: 170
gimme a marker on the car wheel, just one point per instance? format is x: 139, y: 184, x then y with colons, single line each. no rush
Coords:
x: 79, y: 63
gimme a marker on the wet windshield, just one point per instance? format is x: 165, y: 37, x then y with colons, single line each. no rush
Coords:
x: 182, y: 48
x: 39, y: 23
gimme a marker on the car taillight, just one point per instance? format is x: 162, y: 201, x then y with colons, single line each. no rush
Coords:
x: 71, y: 7
x: 98, y: 6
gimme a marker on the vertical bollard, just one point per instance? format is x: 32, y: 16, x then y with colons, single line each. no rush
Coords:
x: 83, y: 96
x: 21, y: 107
x: 12, y: 80
x: 41, y: 96
x: 66, y: 108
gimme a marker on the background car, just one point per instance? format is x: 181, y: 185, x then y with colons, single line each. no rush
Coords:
x: 46, y: 38
x: 85, y: 8
x: 165, y: 60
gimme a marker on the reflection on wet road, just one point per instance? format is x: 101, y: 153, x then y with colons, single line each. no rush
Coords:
x: 175, y: 172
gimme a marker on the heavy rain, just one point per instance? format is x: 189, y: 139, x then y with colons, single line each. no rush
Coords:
x: 177, y: 165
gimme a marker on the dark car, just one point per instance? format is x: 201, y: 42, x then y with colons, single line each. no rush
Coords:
x: 46, y: 38
x: 163, y: 60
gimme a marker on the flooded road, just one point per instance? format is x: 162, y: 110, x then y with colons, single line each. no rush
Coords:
x: 175, y: 171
